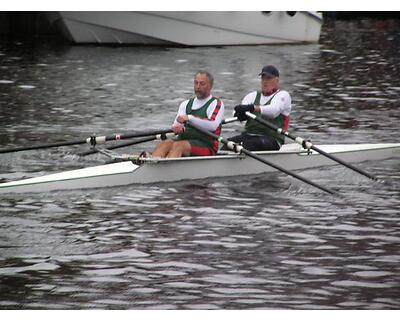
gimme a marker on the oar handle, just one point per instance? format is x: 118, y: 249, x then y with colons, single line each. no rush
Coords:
x: 239, y: 149
x: 229, y: 120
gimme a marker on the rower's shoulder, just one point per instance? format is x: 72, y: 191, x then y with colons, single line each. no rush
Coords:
x: 216, y: 101
x: 284, y: 97
x: 283, y: 92
x: 250, y: 96
x: 185, y: 102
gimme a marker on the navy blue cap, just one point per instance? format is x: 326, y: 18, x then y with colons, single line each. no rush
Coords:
x: 269, y: 71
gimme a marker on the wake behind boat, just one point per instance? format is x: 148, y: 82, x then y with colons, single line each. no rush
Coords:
x: 146, y: 171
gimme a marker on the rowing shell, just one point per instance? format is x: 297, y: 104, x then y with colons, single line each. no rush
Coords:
x: 291, y: 156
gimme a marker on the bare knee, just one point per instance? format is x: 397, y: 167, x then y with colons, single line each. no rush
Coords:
x: 179, y: 148
x: 163, y: 148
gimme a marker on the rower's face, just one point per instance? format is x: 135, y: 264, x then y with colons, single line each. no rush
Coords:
x: 269, y: 84
x: 202, y: 86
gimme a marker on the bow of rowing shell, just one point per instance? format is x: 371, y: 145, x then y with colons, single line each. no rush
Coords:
x: 291, y: 156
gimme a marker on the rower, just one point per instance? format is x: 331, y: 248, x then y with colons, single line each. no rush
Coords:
x: 273, y: 105
x: 203, y: 110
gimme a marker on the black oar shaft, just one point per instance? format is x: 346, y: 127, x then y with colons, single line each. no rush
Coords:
x: 346, y: 164
x: 136, y: 134
x: 290, y: 173
x: 308, y: 145
x: 93, y: 140
x: 43, y: 146
x: 240, y: 149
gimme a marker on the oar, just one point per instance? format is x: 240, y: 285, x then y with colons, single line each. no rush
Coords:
x: 93, y: 140
x: 159, y: 137
x: 239, y: 149
x: 121, y: 145
x: 229, y: 120
x: 308, y: 145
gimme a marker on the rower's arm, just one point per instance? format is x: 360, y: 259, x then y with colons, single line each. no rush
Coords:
x: 280, y: 104
x: 181, y: 112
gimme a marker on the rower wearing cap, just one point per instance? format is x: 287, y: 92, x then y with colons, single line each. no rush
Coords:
x: 273, y: 104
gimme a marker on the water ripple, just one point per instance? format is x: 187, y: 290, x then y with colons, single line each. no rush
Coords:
x: 260, y: 242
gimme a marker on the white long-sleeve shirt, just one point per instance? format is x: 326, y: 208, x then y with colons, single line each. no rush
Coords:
x: 209, y: 124
x: 280, y: 104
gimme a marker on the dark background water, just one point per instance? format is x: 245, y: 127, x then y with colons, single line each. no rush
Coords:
x: 261, y: 242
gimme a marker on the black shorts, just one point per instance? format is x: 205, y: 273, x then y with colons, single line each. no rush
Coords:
x: 255, y: 142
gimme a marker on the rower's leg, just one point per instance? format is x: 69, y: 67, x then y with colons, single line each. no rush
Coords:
x: 179, y: 149
x: 162, y: 149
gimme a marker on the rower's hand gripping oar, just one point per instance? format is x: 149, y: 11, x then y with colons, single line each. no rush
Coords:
x: 239, y: 149
x: 93, y: 140
x: 308, y: 145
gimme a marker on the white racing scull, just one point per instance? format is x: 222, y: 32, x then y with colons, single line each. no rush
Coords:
x: 291, y: 156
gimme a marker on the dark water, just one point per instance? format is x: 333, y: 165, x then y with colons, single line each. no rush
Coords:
x: 246, y: 243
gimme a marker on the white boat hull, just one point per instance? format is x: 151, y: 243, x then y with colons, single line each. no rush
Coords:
x: 191, y: 168
x: 194, y: 28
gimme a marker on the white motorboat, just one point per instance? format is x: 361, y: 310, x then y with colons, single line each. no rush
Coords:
x: 190, y: 28
x: 291, y: 156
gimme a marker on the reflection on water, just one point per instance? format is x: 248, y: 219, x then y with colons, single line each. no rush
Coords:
x: 258, y: 242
